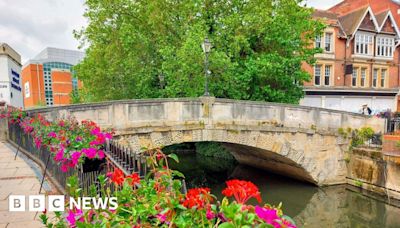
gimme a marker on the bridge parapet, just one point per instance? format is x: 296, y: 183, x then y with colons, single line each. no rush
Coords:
x: 297, y: 141
x: 208, y: 112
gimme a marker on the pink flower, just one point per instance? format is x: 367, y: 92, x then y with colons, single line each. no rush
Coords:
x: 38, y: 142
x: 74, y: 216
x: 90, y: 153
x: 209, y: 214
x: 268, y: 215
x: 60, y: 155
x: 108, y: 136
x: 100, y: 153
x: 161, y: 217
x: 95, y: 131
x: 78, y: 138
x: 64, y: 168
x: 52, y: 135
x: 75, y: 157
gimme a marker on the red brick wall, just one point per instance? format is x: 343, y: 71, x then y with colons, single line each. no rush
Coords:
x: 33, y: 74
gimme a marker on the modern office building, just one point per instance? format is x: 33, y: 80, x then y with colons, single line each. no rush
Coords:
x: 48, y: 79
x: 10, y: 76
x: 360, y: 60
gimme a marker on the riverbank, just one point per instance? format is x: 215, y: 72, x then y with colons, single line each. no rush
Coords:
x: 372, y: 170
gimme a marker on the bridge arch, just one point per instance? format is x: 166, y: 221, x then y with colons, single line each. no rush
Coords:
x: 284, y: 152
x: 297, y: 141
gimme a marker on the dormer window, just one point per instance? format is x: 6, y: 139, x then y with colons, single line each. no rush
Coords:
x: 384, y: 47
x: 363, y: 44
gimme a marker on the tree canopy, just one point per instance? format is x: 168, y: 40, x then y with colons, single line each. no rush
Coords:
x: 152, y: 48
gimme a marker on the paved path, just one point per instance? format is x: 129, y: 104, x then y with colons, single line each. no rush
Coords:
x: 17, y: 177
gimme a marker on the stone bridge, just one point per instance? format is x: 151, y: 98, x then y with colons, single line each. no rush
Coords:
x: 296, y: 141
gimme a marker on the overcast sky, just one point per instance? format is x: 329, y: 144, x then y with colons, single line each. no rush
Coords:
x: 29, y: 26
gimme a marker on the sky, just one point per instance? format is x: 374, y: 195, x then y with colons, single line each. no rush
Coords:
x: 29, y: 26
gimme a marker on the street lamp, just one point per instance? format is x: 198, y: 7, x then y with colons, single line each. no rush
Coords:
x: 206, y: 45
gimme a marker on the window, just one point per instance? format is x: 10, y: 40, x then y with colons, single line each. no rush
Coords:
x: 375, y: 78
x: 363, y: 44
x: 327, y: 75
x: 363, y: 77
x: 384, y: 46
x: 354, y: 77
x: 383, y: 77
x: 318, y: 42
x: 328, y: 42
x: 317, y: 75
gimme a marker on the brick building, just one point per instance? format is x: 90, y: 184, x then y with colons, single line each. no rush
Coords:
x: 360, y: 60
x: 48, y: 79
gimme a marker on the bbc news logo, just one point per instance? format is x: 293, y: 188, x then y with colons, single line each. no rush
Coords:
x: 57, y: 203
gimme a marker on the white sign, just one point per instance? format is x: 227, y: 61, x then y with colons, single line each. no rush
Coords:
x: 27, y: 92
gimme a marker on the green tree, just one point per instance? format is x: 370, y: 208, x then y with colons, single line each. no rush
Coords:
x: 152, y: 48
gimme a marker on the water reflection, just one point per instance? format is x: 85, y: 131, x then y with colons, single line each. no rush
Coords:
x: 310, y: 206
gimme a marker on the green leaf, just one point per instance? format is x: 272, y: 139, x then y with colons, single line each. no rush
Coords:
x: 178, y: 174
x: 226, y: 225
x: 174, y: 156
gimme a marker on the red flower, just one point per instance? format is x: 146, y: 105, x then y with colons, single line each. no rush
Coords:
x: 242, y: 191
x: 117, y: 177
x: 133, y: 179
x: 197, y: 197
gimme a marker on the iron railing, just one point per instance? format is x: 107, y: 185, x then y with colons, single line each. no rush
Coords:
x: 116, y: 157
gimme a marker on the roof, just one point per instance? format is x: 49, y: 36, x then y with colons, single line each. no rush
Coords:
x: 351, y: 21
x: 6, y: 49
x: 51, y: 54
x: 380, y: 18
x: 324, y: 14
x: 330, y: 18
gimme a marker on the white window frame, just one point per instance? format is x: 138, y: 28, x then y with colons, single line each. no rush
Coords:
x: 363, y: 77
x: 328, y: 41
x: 375, y: 75
x: 383, y: 77
x: 320, y: 74
x: 384, y: 46
x: 327, y: 74
x: 354, y: 75
x: 363, y: 43
x: 318, y: 40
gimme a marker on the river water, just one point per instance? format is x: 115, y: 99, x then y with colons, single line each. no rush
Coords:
x: 310, y: 206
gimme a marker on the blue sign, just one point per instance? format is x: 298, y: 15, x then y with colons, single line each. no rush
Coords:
x: 15, y: 79
x: 14, y: 73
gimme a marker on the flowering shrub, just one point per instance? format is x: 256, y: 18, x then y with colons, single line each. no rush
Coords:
x: 68, y: 140
x: 157, y: 201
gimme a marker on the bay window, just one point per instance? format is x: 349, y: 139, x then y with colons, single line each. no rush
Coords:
x: 363, y: 44
x: 384, y: 47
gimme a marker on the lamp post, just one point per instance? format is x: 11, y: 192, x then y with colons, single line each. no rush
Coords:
x: 206, y: 45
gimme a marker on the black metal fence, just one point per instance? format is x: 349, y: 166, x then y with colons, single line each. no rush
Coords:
x: 117, y: 156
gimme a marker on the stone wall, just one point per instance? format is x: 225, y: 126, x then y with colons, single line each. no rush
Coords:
x: 375, y: 171
x: 297, y: 141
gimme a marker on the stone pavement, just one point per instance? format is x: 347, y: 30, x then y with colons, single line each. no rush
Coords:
x: 18, y: 177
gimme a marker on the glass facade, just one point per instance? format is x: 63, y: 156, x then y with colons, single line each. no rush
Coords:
x: 47, y: 68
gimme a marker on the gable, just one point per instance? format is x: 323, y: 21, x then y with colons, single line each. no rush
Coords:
x: 388, y: 27
x: 367, y: 23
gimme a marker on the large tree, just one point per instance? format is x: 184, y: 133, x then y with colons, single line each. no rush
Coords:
x: 152, y: 48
